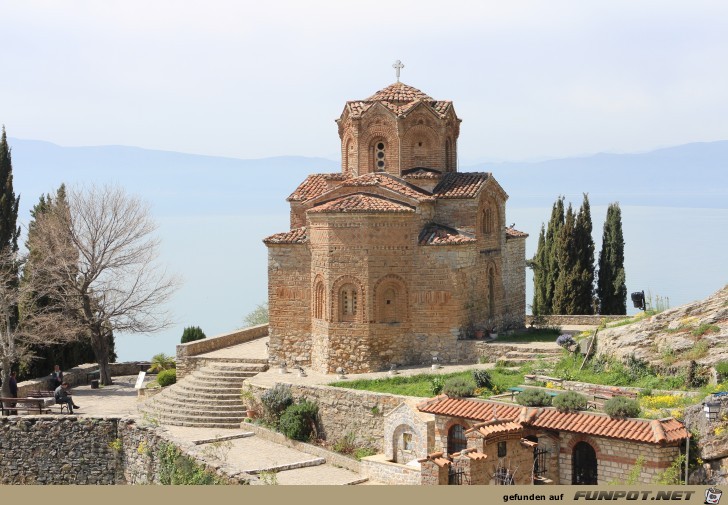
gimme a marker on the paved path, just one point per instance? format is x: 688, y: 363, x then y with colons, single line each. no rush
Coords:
x: 256, y: 349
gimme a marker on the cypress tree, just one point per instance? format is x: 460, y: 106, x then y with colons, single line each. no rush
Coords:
x: 539, y: 266
x: 611, y: 287
x: 551, y: 247
x: 584, y: 268
x: 9, y: 230
x: 567, y: 257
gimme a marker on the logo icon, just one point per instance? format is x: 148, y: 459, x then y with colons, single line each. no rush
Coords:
x: 712, y: 496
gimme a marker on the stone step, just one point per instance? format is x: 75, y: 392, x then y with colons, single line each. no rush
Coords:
x: 225, y: 381
x: 166, y: 403
x: 502, y: 361
x: 248, y: 361
x: 289, y: 466
x: 532, y: 355
x: 221, y: 398
x: 177, y: 417
x: 237, y: 367
x: 201, y: 389
x: 326, y: 474
x: 224, y: 376
x: 201, y: 413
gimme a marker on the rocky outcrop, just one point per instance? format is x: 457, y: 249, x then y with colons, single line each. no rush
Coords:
x: 696, y: 331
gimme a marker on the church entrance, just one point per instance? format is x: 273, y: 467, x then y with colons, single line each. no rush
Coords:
x: 584, y: 464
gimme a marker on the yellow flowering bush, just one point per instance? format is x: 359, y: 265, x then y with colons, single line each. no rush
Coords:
x: 660, y: 401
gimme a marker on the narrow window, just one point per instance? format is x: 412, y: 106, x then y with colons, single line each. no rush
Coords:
x: 379, y: 153
x: 348, y: 302
x: 502, y: 451
x: 318, y: 302
x: 456, y: 440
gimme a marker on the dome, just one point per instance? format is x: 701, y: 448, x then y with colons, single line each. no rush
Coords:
x: 399, y: 93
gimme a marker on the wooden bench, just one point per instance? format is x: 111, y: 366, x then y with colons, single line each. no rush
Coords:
x: 27, y: 405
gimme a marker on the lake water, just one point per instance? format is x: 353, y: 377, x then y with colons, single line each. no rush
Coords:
x: 680, y: 253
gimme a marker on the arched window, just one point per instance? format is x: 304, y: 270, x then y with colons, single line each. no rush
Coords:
x: 348, y: 302
x: 456, y: 440
x: 318, y: 300
x: 487, y: 221
x: 584, y: 464
x: 379, y: 156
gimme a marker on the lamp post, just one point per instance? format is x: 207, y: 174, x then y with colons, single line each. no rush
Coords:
x: 711, y: 409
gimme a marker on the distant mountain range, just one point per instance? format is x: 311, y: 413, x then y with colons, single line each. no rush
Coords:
x: 690, y: 175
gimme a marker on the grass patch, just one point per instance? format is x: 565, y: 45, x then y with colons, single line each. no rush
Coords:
x: 421, y: 385
x: 705, y: 328
x: 699, y: 350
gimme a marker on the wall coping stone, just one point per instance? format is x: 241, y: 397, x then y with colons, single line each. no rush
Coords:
x: 221, y: 341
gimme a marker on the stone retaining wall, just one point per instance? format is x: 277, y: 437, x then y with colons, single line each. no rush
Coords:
x: 345, y: 411
x: 80, y: 450
x: 77, y: 376
x: 560, y: 320
x: 190, y: 349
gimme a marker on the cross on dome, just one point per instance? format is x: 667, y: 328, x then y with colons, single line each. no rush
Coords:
x: 398, y: 66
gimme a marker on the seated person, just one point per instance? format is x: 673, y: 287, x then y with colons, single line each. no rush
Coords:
x: 56, y: 377
x: 61, y: 396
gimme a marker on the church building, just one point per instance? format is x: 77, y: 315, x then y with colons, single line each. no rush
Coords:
x: 399, y: 257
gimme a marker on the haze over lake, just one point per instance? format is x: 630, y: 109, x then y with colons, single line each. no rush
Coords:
x: 214, y: 212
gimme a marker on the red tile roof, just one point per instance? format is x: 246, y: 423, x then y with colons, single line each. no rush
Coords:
x: 362, y: 203
x: 387, y: 181
x: 635, y: 430
x: 460, y: 184
x: 314, y: 185
x: 513, y: 233
x: 436, y: 234
x: 399, y: 92
x: 295, y: 236
x: 421, y: 173
x: 497, y: 428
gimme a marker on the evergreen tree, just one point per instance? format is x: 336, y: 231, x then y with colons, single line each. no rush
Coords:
x: 567, y: 257
x: 611, y: 287
x: 9, y: 230
x: 584, y: 268
x: 192, y: 333
x: 551, y: 248
x: 539, y: 266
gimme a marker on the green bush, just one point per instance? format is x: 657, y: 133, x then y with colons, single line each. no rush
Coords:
x: 298, y: 420
x: 192, y: 333
x: 482, y: 379
x: 722, y: 368
x: 570, y: 401
x: 167, y: 377
x: 459, y: 387
x: 619, y: 406
x: 436, y: 384
x: 534, y: 398
x: 276, y: 400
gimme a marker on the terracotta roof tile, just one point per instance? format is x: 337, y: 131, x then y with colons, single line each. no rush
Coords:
x: 499, y: 428
x: 513, y: 233
x: 460, y: 184
x: 295, y: 236
x: 390, y: 182
x: 421, y: 173
x: 436, y: 234
x: 314, y: 185
x: 635, y: 430
x: 399, y: 92
x: 362, y: 203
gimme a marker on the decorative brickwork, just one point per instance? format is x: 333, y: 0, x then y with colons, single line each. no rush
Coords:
x: 399, y: 257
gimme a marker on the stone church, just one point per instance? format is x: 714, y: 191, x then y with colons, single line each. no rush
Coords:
x: 398, y: 258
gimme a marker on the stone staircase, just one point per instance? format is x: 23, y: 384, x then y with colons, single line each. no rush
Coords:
x: 207, y: 398
x: 515, y: 355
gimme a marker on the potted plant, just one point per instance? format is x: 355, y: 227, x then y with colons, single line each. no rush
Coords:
x: 249, y: 400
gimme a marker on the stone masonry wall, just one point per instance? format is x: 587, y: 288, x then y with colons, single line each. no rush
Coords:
x: 514, y: 282
x: 345, y: 411
x: 80, y: 450
x: 615, y: 458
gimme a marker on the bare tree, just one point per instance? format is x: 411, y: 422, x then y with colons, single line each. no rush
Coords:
x: 107, y: 265
x: 24, y: 322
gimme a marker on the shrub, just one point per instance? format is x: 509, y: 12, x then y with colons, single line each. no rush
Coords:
x: 534, y: 398
x: 619, y: 406
x: 192, y: 333
x: 298, y: 420
x: 363, y: 452
x: 722, y: 368
x: 276, y: 400
x: 571, y: 401
x: 459, y: 387
x: 161, y: 362
x: 167, y: 377
x: 566, y: 341
x: 482, y: 379
x: 436, y: 384
x: 346, y: 445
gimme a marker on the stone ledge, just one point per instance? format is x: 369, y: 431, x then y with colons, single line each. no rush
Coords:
x: 221, y: 341
x: 330, y: 457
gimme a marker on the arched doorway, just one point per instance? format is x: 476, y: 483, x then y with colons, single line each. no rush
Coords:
x: 584, y: 464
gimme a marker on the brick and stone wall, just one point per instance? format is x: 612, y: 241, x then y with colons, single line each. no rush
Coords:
x: 514, y: 282
x: 77, y: 376
x: 616, y: 458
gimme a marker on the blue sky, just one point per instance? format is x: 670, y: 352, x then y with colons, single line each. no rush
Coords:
x: 530, y: 79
